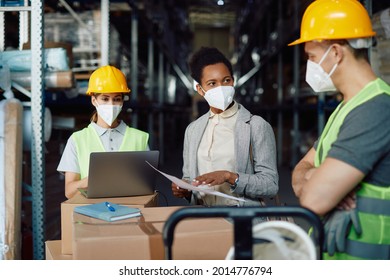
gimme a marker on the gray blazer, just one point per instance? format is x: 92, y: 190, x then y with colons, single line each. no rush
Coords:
x: 252, y: 132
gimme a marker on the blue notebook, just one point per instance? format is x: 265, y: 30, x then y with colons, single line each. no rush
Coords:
x: 108, y: 211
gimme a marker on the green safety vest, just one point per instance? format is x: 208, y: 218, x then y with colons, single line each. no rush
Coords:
x: 88, y: 141
x: 373, y: 202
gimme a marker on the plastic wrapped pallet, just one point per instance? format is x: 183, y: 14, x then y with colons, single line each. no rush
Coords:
x: 85, y: 38
x: 380, y: 56
x: 56, y: 59
x: 11, y: 178
x: 27, y: 126
x: 58, y: 79
x: 381, y: 24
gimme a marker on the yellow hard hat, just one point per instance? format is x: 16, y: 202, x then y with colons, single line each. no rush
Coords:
x: 334, y: 19
x: 107, y: 79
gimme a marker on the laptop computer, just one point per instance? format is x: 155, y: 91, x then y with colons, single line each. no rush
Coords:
x: 116, y: 174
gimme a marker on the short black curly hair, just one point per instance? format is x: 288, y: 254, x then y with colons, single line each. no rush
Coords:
x: 206, y: 56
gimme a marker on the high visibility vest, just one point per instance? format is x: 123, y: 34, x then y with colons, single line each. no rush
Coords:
x: 373, y: 202
x: 87, y: 141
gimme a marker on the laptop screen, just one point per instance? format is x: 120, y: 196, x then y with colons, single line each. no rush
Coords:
x: 115, y: 174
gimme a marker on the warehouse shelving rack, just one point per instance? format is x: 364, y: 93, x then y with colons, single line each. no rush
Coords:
x: 266, y: 46
x: 37, y: 188
x: 31, y: 22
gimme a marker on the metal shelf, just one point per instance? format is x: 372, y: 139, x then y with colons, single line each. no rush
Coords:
x: 15, y: 9
x: 37, y: 115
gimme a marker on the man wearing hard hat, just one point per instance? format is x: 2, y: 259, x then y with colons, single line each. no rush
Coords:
x: 345, y: 177
x: 107, y: 87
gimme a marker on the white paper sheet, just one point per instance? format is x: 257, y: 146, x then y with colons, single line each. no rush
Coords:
x: 203, y: 188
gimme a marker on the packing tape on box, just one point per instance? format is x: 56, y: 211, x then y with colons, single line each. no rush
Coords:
x: 156, y: 242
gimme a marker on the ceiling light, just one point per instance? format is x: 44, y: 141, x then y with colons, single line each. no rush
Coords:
x: 220, y: 3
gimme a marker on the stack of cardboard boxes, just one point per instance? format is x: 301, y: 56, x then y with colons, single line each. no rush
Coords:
x: 139, y: 238
x: 63, y: 249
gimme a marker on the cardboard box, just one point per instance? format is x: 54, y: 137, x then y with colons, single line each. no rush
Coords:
x: 53, y: 251
x: 141, y: 238
x: 78, y: 200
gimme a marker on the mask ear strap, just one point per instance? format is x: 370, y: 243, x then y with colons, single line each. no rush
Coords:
x: 333, y: 69
x: 202, y: 89
x: 97, y: 103
x: 325, y: 55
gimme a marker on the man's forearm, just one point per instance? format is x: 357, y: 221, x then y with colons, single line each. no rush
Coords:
x: 301, y: 174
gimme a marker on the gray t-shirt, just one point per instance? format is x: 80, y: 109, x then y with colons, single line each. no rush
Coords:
x: 364, y: 140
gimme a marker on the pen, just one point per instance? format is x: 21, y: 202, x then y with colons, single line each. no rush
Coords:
x: 110, y: 207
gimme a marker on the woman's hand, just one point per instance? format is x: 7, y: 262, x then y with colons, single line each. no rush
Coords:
x: 215, y: 178
x: 180, y: 192
x: 73, y: 183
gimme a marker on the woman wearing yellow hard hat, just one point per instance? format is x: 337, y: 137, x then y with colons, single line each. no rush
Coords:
x: 345, y: 177
x: 107, y: 88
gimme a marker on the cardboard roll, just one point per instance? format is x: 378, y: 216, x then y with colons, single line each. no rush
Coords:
x: 27, y: 127
x: 11, y: 115
x: 62, y: 79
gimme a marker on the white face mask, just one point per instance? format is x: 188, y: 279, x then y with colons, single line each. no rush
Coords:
x: 108, y: 113
x: 317, y: 78
x: 220, y: 97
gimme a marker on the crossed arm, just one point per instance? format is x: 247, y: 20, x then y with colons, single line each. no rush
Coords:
x: 322, y: 189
